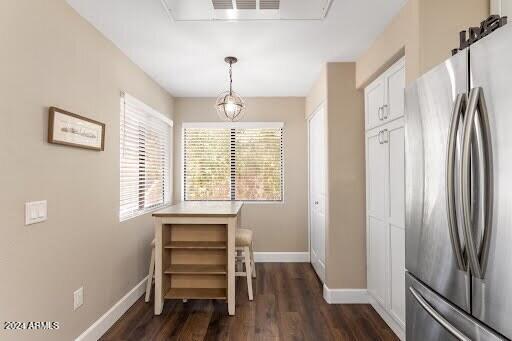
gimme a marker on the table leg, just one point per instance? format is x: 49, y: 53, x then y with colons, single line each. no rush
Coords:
x: 231, y: 265
x: 159, y: 297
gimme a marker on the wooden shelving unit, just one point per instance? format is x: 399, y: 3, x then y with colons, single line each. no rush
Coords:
x: 196, y: 293
x: 200, y: 245
x: 195, y: 252
x: 197, y: 269
x: 195, y: 261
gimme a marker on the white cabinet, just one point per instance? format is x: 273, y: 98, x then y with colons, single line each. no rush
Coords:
x: 385, y: 205
x: 397, y: 271
x: 394, y: 80
x: 384, y: 97
x: 376, y: 166
x: 395, y: 145
x: 501, y: 7
x: 377, y: 259
x: 374, y: 101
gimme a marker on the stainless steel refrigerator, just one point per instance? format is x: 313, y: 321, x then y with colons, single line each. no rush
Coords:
x: 459, y: 196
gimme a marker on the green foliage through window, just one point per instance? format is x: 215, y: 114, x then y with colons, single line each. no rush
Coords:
x: 233, y: 164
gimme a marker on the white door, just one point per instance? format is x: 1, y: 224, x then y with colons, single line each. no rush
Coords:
x: 374, y: 102
x: 397, y: 270
x: 317, y: 194
x: 376, y: 174
x: 395, y: 88
x: 395, y: 138
x: 377, y: 230
x: 378, y: 260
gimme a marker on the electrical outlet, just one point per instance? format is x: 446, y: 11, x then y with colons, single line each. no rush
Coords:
x: 78, y: 298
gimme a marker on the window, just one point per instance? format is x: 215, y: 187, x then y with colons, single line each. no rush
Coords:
x: 144, y: 158
x: 233, y: 161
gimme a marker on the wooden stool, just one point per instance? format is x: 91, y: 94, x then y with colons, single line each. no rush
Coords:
x: 151, y: 274
x: 245, y: 256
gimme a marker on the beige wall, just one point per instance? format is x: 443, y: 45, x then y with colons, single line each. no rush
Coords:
x: 345, y: 237
x: 345, y: 222
x: 425, y: 31
x: 400, y: 37
x: 450, y: 17
x: 318, y: 92
x: 278, y: 227
x: 52, y: 57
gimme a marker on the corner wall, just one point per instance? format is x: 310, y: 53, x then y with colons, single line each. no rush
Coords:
x: 425, y: 31
x: 345, y: 220
x: 345, y: 237
x: 52, y: 57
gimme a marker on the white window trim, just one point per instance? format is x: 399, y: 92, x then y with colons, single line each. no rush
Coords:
x: 148, y: 109
x: 170, y: 122
x: 234, y: 125
x: 248, y: 125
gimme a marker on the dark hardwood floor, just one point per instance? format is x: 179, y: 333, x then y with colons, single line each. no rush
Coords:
x: 288, y: 305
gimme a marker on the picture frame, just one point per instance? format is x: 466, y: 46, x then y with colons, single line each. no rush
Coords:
x: 69, y: 129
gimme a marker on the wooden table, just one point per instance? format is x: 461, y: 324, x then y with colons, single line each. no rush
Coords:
x: 195, y: 252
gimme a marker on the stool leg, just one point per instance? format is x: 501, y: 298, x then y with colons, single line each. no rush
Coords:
x: 150, y: 275
x: 247, y: 255
x: 252, y: 262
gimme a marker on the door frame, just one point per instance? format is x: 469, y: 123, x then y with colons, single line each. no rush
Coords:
x: 321, y: 107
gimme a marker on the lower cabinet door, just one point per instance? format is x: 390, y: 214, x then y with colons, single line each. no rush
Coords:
x: 378, y: 260
x: 397, y: 269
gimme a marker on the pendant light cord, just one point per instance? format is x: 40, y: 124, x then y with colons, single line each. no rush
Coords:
x: 230, y: 80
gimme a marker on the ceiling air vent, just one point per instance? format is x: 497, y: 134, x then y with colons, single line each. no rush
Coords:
x: 222, y: 4
x: 246, y: 4
x: 269, y: 4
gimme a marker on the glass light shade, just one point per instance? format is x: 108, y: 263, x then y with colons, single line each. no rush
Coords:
x: 230, y: 106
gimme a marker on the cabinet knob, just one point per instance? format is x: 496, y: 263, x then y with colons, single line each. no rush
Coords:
x: 316, y: 202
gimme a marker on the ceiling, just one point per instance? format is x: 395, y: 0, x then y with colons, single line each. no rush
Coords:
x: 181, y: 10
x: 280, y: 55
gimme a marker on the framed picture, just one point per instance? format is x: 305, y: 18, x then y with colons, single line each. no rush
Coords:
x: 74, y: 130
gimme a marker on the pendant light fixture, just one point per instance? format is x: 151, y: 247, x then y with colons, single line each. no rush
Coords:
x: 230, y: 105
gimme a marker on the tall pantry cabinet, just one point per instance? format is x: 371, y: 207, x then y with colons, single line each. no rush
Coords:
x: 385, y: 206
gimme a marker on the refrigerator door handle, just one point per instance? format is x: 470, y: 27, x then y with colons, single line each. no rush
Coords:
x: 477, y: 255
x: 459, y: 107
x: 438, y: 317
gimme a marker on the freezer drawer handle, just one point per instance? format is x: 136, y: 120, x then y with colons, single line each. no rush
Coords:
x: 458, y: 108
x: 436, y: 316
x: 478, y: 134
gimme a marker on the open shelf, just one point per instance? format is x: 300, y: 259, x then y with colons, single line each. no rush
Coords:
x: 196, y: 269
x: 196, y: 293
x: 196, y: 245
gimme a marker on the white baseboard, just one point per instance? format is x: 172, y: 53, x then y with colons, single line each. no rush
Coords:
x: 397, y: 327
x: 345, y: 296
x: 281, y: 257
x: 98, y: 328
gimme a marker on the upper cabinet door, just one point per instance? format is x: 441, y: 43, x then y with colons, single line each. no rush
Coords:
x: 374, y: 102
x: 384, y: 97
x: 395, y: 87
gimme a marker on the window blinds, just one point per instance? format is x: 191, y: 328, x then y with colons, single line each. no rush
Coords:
x: 233, y: 161
x: 144, y: 158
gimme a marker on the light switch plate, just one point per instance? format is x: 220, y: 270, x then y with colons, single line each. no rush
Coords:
x: 36, y: 212
x: 78, y: 298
